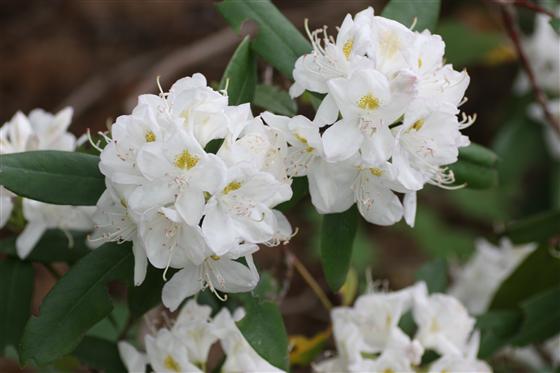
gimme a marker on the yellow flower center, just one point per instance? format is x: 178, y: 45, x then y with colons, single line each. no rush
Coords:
x: 434, y: 328
x: 388, y: 370
x: 150, y: 136
x: 234, y: 185
x: 420, y: 63
x: 171, y: 364
x: 347, y: 48
x: 304, y: 141
x: 376, y: 172
x: 186, y: 160
x: 214, y: 257
x: 368, y: 102
x: 418, y: 124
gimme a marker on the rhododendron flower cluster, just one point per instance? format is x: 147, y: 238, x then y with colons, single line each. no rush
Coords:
x: 40, y: 131
x: 369, y: 339
x: 184, y: 207
x: 388, y: 123
x: 184, y: 346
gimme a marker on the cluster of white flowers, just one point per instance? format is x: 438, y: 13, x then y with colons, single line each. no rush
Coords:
x: 184, y: 207
x: 184, y: 347
x: 543, y: 52
x: 475, y: 283
x: 368, y: 337
x: 388, y: 122
x: 40, y: 131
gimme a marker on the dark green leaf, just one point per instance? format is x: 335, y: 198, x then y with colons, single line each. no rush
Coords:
x: 538, y: 272
x: 434, y: 274
x: 264, y: 329
x: 473, y: 175
x: 541, y: 318
x: 555, y: 23
x: 240, y: 75
x: 52, y: 247
x: 61, y: 178
x: 75, y: 304
x: 479, y: 155
x: 148, y: 295
x: 277, y: 40
x: 16, y: 288
x: 404, y: 11
x: 536, y: 228
x: 275, y: 100
x: 497, y: 328
x: 99, y: 353
x: 337, y: 238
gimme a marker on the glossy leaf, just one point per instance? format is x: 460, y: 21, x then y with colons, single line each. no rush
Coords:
x: 337, y: 238
x: 426, y: 13
x: 277, y: 39
x: 75, y: 304
x: 536, y: 228
x: 473, y: 175
x: 57, y: 177
x: 275, y: 100
x: 264, y: 329
x: 52, y: 247
x: 99, y: 353
x: 16, y: 288
x: 478, y: 154
x: 240, y: 76
x: 539, y: 271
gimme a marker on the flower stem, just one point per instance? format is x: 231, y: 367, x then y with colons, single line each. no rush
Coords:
x: 308, y: 278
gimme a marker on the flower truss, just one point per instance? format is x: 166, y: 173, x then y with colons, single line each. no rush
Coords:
x: 388, y: 123
x: 185, y: 207
x: 40, y: 131
x: 369, y: 339
x: 184, y: 346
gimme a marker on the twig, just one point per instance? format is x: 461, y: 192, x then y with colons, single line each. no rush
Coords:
x: 528, y: 5
x: 511, y: 28
x: 308, y: 278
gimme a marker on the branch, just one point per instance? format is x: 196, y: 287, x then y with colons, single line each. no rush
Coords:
x: 512, y: 30
x: 528, y: 5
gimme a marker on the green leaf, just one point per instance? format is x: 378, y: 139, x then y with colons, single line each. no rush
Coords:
x: 264, y: 329
x: 337, y: 238
x: 100, y: 354
x: 538, y: 272
x: 275, y: 100
x: 464, y: 46
x: 16, y: 288
x: 300, y: 190
x: 473, y: 175
x: 404, y: 11
x: 497, y: 329
x: 535, y: 228
x: 240, y: 75
x: 434, y: 274
x: 479, y: 155
x: 52, y: 247
x: 277, y: 40
x: 60, y: 178
x: 542, y: 318
x: 75, y: 304
x: 143, y: 298
x: 555, y: 23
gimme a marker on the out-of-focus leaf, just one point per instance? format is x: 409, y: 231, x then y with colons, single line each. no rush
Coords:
x: 349, y: 290
x: 555, y: 23
x: 264, y: 329
x: 538, y: 272
x: 537, y: 228
x: 277, y: 40
x: 479, y: 155
x: 300, y: 190
x: 52, y: 247
x: 497, y: 328
x: 464, y: 46
x: 99, y: 354
x: 57, y: 177
x: 240, y: 76
x: 479, y: 204
x: 76, y: 303
x: 337, y: 239
x: 434, y: 274
x: 16, y: 288
x: 275, y: 100
x: 143, y: 298
x: 541, y: 318
x: 304, y: 350
x: 426, y: 13
x: 473, y: 175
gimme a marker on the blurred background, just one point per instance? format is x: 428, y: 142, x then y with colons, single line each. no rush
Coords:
x: 98, y: 56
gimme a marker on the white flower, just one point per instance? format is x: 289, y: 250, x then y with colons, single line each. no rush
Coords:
x: 444, y: 324
x: 223, y: 273
x: 241, y: 357
x: 193, y: 326
x: 552, y: 346
x: 42, y: 216
x: 167, y: 353
x: 133, y: 360
x: 466, y: 362
x: 477, y: 281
